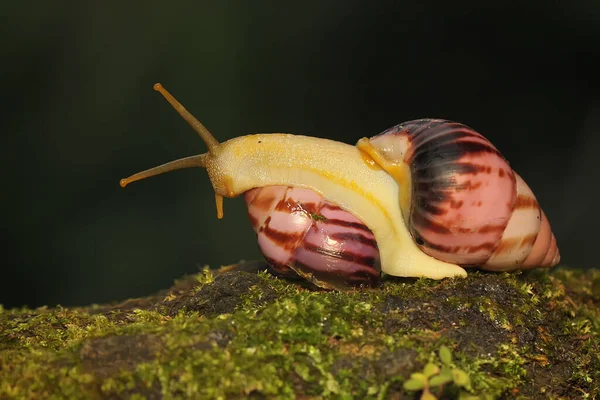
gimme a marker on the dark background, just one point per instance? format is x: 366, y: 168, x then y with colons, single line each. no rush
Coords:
x: 79, y: 113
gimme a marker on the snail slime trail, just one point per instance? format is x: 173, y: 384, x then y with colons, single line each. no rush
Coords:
x: 424, y: 198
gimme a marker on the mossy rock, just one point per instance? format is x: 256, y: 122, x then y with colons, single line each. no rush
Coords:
x: 240, y: 332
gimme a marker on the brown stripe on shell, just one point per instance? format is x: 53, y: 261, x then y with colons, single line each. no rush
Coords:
x: 468, y: 186
x: 489, y: 246
x: 439, y: 184
x: 329, y: 206
x: 466, y: 168
x: 462, y: 249
x: 357, y: 237
x: 439, y: 141
x: 283, y: 239
x: 423, y: 223
x: 550, y: 260
x: 491, y: 228
x: 524, y: 201
x: 263, y: 202
x: 529, y: 240
x: 453, y: 151
x: 432, y: 209
x: 289, y: 205
x: 542, y: 244
x: 443, y: 133
x: 511, y: 243
x: 419, y: 220
x: 433, y: 190
x: 345, y: 255
x: 424, y: 130
x: 356, y: 225
x: 456, y: 204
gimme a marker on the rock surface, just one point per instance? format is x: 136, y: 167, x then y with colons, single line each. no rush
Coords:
x: 239, y: 332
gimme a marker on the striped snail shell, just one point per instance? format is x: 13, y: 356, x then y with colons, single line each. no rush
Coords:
x: 425, y: 198
x: 467, y: 205
x: 298, y: 229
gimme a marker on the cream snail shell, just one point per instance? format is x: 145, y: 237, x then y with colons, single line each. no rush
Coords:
x: 433, y: 196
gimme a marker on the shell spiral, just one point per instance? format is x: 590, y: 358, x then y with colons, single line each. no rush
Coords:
x: 467, y: 205
x: 298, y: 229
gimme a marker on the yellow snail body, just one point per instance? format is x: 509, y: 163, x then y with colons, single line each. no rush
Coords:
x: 362, y: 180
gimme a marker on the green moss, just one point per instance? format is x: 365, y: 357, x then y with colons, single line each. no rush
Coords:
x: 318, y: 217
x: 242, y: 333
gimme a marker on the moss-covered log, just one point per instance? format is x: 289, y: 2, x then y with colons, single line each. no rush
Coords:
x: 240, y: 333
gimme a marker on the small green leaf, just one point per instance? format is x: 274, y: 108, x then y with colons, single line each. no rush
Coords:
x: 460, y: 377
x: 372, y: 390
x: 303, y: 371
x: 427, y: 395
x: 419, y: 376
x: 414, y: 385
x: 445, y: 355
x: 446, y: 371
x: 440, y: 380
x: 430, y: 370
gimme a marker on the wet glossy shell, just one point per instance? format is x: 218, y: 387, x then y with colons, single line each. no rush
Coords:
x: 298, y: 229
x: 467, y: 204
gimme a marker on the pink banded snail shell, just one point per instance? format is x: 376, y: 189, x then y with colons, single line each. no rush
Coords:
x: 299, y: 229
x: 430, y: 196
x: 468, y: 206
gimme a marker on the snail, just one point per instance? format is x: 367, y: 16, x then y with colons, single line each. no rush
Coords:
x: 425, y: 198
